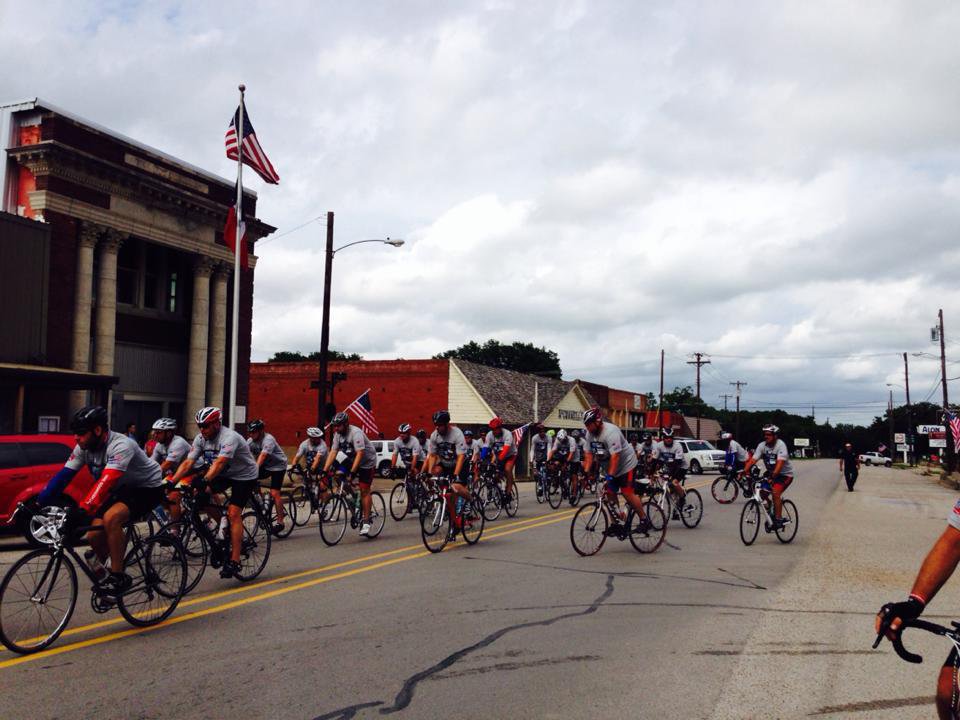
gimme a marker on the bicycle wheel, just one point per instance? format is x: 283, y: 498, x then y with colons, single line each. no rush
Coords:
x: 647, y: 534
x: 158, y: 568
x: 588, y: 529
x: 692, y: 511
x: 540, y: 491
x: 378, y: 514
x: 554, y: 493
x: 724, y: 490
x: 791, y: 522
x: 37, y: 598
x: 283, y: 528
x: 333, y: 520
x: 255, y: 546
x: 512, y: 504
x: 473, y: 523
x: 750, y: 522
x: 301, y: 499
x: 491, y: 501
x: 195, y: 550
x: 575, y: 495
x: 435, y: 525
x: 399, y: 501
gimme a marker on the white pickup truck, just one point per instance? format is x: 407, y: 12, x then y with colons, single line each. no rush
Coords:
x: 875, y: 458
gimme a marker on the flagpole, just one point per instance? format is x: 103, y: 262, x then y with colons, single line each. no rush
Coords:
x: 235, y: 335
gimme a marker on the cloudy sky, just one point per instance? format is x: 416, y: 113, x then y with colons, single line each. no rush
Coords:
x: 775, y: 184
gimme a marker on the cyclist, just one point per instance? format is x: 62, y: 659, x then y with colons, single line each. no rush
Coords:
x: 272, y: 461
x: 447, y: 449
x: 645, y: 451
x: 406, y: 448
x: 128, y: 486
x: 669, y: 453
x: 773, y: 451
x: 354, y: 443
x: 473, y: 454
x: 540, y: 444
x: 563, y: 451
x: 312, y: 450
x: 622, y: 463
x: 736, y: 453
x: 229, y: 463
x: 168, y: 452
x: 502, y: 452
x: 936, y: 569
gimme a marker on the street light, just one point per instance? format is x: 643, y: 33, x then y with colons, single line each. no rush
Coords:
x: 325, y: 327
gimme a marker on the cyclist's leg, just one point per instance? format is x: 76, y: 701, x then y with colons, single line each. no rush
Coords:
x: 365, y: 480
x: 779, y: 486
x: 508, y: 473
x: 946, y: 688
x: 625, y: 483
x: 240, y: 493
x: 276, y: 483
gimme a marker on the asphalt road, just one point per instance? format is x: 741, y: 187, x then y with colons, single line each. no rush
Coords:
x: 518, y: 625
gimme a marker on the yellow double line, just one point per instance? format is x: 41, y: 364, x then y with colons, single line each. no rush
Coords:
x: 506, y: 529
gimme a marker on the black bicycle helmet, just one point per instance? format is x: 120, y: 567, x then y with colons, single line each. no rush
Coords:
x: 341, y: 418
x: 255, y: 425
x: 87, y: 418
x: 441, y: 417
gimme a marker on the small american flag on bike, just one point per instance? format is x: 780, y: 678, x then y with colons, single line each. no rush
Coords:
x: 954, y: 420
x: 363, y: 411
x: 519, y: 432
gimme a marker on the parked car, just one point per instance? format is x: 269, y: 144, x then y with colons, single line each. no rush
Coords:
x: 875, y: 458
x: 701, y: 455
x: 27, y: 462
x: 384, y: 456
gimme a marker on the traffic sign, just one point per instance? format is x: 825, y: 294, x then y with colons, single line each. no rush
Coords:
x: 900, y: 438
x: 801, y: 442
x: 938, y: 443
x: 902, y: 448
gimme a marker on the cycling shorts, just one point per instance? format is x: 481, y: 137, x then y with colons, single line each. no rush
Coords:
x: 240, y: 490
x: 365, y: 477
x: 276, y: 477
x: 139, y: 500
x: 621, y: 483
x: 781, y: 483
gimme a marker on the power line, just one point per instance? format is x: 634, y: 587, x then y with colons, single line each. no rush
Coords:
x: 270, y: 239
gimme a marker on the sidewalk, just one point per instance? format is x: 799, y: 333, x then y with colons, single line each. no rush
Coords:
x: 809, y: 655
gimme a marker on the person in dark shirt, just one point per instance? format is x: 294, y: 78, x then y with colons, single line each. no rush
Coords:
x: 850, y: 465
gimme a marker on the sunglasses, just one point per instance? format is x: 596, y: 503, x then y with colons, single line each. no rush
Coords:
x: 204, y: 426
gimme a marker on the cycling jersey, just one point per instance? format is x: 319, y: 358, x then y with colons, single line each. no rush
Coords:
x: 581, y: 450
x: 310, y: 451
x: 408, y: 450
x: 737, y: 451
x: 540, y: 446
x: 227, y: 443
x: 122, y: 454
x: 355, y: 441
x: 447, y: 447
x: 673, y: 454
x: 497, y: 443
x: 646, y: 450
x: 612, y: 442
x: 565, y: 450
x: 473, y: 450
x: 771, y: 454
x: 175, y: 452
x: 276, y: 457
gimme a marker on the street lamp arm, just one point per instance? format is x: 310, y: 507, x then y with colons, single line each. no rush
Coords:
x: 388, y: 241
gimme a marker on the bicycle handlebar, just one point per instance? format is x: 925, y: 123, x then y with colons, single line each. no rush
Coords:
x: 897, y: 642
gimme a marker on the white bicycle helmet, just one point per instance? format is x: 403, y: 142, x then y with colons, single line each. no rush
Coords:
x: 561, y: 435
x: 771, y: 429
x: 165, y: 424
x: 207, y: 414
x: 314, y: 432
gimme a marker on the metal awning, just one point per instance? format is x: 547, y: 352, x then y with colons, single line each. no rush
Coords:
x: 17, y: 374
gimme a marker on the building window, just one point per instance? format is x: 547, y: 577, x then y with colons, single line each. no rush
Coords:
x: 48, y: 424
x: 172, y: 293
x: 128, y: 269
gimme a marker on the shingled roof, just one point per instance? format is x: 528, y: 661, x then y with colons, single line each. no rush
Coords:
x: 510, y: 394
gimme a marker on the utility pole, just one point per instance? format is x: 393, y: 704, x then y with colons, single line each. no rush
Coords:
x: 699, y: 362
x: 893, y: 447
x: 951, y: 453
x: 739, y: 384
x: 906, y: 385
x: 725, y: 397
x: 325, y: 328
x: 660, y: 401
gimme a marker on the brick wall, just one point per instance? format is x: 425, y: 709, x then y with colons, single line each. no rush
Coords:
x: 400, y: 391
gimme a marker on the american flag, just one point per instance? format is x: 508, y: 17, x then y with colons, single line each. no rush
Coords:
x: 954, y: 421
x: 253, y: 154
x: 518, y: 433
x: 363, y: 411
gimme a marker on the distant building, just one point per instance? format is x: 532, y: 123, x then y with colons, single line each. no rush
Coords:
x: 116, y: 276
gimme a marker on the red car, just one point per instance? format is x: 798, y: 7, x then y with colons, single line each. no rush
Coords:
x: 27, y: 462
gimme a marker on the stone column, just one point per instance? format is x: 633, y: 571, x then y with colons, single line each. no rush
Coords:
x: 83, y: 299
x: 217, y: 364
x: 106, y: 324
x: 199, y: 332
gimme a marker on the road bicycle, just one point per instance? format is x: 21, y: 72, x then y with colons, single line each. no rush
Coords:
x: 594, y: 522
x: 281, y: 529
x: 38, y: 594
x: 664, y: 496
x: 732, y: 482
x: 559, y: 486
x: 952, y: 634
x: 436, y: 526
x: 407, y: 495
x: 488, y: 492
x: 761, y: 504
x: 344, y: 508
x: 540, y: 482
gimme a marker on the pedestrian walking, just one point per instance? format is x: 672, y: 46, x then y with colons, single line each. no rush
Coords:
x: 849, y: 465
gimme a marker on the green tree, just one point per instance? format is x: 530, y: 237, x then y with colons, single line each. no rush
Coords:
x: 295, y: 356
x: 519, y: 356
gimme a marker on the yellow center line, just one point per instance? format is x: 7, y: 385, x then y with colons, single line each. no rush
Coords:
x: 519, y: 526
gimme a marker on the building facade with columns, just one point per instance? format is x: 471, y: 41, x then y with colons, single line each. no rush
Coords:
x: 125, y: 274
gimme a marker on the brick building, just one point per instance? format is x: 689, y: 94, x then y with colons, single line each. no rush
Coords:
x: 119, y: 275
